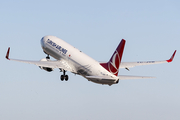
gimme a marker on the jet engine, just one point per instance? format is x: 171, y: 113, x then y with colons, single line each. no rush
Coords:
x: 46, y: 68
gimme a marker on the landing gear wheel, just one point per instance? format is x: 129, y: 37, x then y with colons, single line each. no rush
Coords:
x: 66, y: 77
x: 62, y: 77
x: 48, y: 57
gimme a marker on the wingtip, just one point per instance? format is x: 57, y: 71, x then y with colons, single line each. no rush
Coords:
x: 123, y: 40
x: 172, y: 57
x: 7, y: 54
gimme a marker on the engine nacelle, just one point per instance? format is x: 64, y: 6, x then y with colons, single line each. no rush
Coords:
x: 46, y: 68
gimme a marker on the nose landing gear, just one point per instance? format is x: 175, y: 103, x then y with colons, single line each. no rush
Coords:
x: 48, y: 57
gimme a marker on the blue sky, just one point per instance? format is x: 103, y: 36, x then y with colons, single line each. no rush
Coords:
x: 151, y: 30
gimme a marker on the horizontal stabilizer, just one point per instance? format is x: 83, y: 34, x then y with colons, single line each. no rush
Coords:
x: 100, y: 77
x: 124, y: 77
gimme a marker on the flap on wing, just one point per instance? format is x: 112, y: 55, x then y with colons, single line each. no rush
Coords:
x: 50, y: 64
x: 124, y: 77
x: 133, y: 64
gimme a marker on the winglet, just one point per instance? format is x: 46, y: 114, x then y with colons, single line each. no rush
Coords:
x: 7, y: 54
x: 172, y: 57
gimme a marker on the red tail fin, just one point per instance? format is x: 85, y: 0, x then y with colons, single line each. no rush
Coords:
x: 114, y: 63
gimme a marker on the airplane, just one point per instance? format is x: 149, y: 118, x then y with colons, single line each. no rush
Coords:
x: 68, y: 58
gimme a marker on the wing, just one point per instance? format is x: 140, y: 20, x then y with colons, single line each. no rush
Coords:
x: 128, y: 65
x: 51, y: 64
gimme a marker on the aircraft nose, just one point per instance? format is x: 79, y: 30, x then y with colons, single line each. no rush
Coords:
x: 43, y: 42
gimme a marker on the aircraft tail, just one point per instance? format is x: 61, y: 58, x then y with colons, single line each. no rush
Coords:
x: 115, y: 61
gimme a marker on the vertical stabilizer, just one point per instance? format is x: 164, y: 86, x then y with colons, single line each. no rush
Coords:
x: 115, y: 61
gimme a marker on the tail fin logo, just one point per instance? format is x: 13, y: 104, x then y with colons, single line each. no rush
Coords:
x: 114, y: 63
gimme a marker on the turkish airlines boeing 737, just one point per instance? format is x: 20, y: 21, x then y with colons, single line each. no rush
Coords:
x: 68, y: 58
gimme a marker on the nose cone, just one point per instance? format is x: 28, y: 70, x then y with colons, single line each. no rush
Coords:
x: 43, y: 42
x: 45, y: 39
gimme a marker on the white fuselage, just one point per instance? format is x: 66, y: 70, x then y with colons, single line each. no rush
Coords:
x: 79, y: 62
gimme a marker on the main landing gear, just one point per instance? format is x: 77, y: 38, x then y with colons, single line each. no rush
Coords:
x: 64, y: 76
